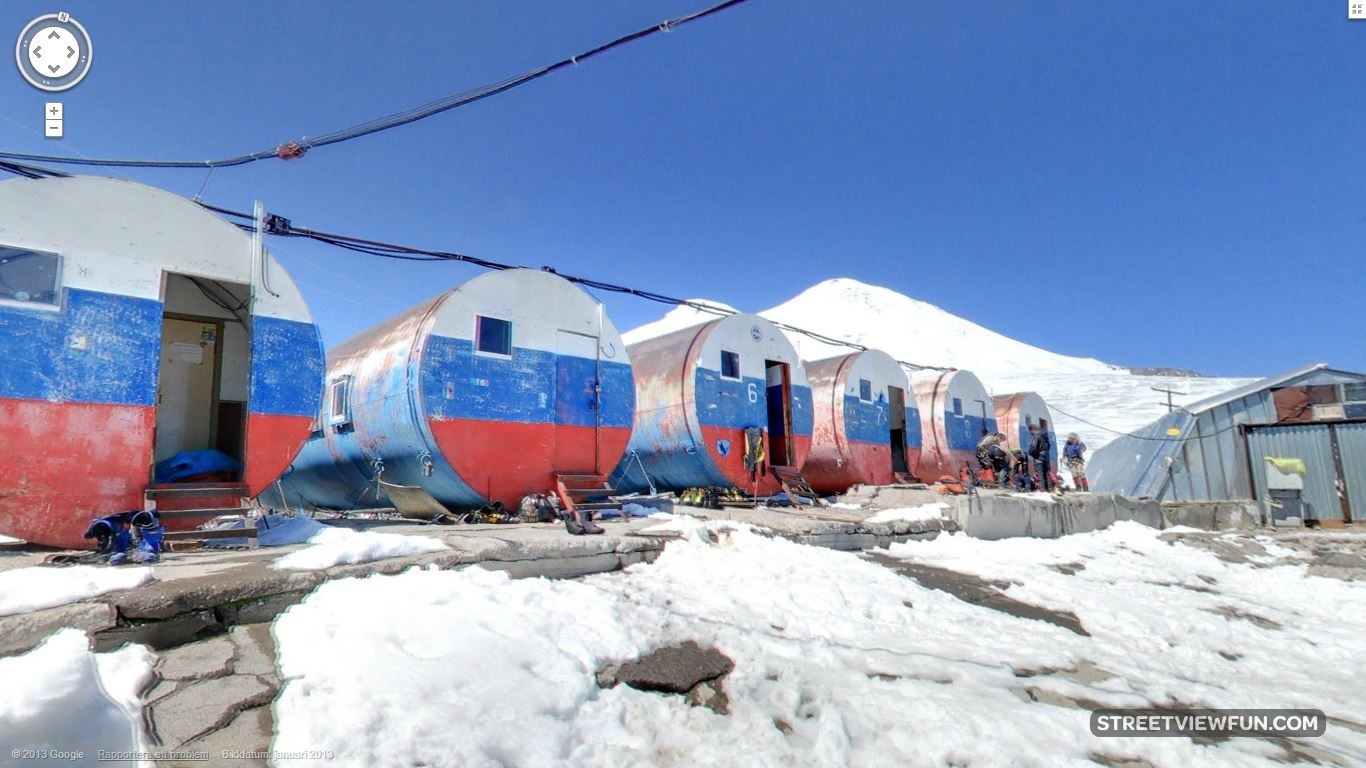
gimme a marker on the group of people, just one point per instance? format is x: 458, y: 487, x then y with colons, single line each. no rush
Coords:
x: 1030, y: 469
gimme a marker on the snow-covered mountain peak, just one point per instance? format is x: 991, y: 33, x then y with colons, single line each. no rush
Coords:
x: 913, y: 330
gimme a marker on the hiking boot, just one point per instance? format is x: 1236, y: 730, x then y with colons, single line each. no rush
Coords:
x: 591, y: 527
x: 574, y: 527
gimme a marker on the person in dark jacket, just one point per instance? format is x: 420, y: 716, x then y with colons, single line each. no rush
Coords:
x: 1074, y: 456
x: 1040, y: 450
x: 1023, y: 480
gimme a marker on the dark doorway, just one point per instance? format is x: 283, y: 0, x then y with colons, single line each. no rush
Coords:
x: 778, y: 386
x: 896, y: 412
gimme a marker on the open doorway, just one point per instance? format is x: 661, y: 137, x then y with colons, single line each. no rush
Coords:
x: 778, y: 388
x: 204, y: 367
x: 896, y: 410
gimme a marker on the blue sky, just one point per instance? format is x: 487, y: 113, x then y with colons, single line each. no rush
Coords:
x: 1159, y: 183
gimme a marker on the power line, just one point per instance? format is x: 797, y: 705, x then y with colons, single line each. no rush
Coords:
x: 297, y: 148
x: 1121, y: 433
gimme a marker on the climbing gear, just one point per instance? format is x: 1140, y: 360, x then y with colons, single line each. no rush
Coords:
x: 949, y: 486
x: 537, y: 508
x: 754, y: 449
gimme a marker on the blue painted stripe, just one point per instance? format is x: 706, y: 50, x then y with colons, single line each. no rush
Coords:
x: 964, y: 432
x: 287, y: 367
x: 98, y: 348
x: 870, y: 423
x: 740, y: 404
x: 533, y: 387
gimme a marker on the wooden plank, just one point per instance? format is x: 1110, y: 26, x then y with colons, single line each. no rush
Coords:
x: 202, y: 514
x: 220, y: 533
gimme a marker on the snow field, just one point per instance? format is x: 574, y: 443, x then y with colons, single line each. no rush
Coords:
x: 839, y: 661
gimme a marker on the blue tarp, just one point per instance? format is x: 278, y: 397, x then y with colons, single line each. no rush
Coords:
x: 190, y: 463
x: 271, y: 531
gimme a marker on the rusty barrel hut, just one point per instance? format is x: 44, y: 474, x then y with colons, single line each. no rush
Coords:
x: 1016, y: 413
x: 697, y: 392
x: 954, y: 409
x: 867, y: 425
x: 135, y: 325
x: 483, y: 394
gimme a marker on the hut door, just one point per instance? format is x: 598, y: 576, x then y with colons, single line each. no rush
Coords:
x: 185, y: 386
x: 576, y: 403
x: 896, y: 408
x: 778, y: 385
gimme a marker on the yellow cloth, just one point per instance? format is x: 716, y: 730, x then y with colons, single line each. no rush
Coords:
x: 1289, y: 466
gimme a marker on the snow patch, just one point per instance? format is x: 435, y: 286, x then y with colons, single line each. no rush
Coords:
x: 839, y: 661
x: 60, y: 696
x: 30, y: 589
x: 931, y: 511
x: 341, y: 546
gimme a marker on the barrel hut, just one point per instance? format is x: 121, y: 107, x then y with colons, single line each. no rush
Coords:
x: 1016, y: 413
x: 136, y: 326
x: 707, y: 397
x: 867, y: 430
x: 486, y: 393
x: 955, y: 409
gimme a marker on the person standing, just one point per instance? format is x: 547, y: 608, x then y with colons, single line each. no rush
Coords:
x: 1040, y: 450
x: 1074, y: 455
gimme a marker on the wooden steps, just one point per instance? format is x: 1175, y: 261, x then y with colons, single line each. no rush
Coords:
x: 232, y: 495
x: 796, y: 486
x: 574, y: 490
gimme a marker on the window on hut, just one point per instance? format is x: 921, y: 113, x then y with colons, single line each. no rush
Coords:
x: 493, y: 336
x: 29, y: 277
x: 730, y: 364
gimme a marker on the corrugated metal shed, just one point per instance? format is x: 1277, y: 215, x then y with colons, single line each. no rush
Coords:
x: 1214, y: 449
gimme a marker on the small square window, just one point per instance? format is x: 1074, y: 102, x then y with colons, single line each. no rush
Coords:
x: 339, y: 402
x: 730, y: 365
x: 958, y: 406
x: 493, y: 336
x: 865, y: 390
x: 29, y: 277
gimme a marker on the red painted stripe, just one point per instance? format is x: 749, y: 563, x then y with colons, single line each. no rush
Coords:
x: 273, y: 442
x: 505, y: 461
x: 732, y: 465
x: 63, y: 464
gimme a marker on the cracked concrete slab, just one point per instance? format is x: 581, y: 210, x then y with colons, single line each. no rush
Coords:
x: 198, y: 661
x: 196, y: 710
x: 20, y: 632
x: 250, y: 731
x: 254, y: 650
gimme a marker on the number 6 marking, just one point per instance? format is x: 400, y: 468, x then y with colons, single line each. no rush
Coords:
x: 753, y: 393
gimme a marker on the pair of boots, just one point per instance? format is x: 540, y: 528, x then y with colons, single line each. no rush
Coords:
x: 114, y: 536
x: 578, y: 524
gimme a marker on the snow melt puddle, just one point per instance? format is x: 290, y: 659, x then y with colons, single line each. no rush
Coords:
x: 838, y: 660
x: 30, y: 589
x: 341, y: 546
x: 931, y: 511
x: 60, y: 696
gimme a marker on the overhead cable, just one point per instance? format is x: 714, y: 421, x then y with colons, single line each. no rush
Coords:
x: 296, y: 148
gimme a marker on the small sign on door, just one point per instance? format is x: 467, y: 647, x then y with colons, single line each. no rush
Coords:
x: 185, y: 352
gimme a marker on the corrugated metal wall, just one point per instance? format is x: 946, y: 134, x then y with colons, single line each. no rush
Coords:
x: 1314, y: 445
x: 1209, y: 462
x: 1352, y: 449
